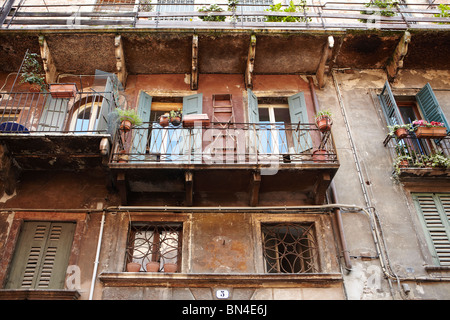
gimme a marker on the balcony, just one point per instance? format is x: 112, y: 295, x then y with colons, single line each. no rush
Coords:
x: 420, y: 160
x: 247, y: 163
x: 41, y: 132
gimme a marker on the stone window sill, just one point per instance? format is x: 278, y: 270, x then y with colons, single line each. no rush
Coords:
x: 38, y: 294
x: 144, y: 279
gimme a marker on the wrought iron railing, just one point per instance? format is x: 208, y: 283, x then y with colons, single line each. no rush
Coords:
x: 413, y: 152
x: 29, y: 112
x: 225, y: 143
x: 185, y: 14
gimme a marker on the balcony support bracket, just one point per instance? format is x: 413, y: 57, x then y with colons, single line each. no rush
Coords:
x: 120, y: 61
x: 396, y: 61
x: 255, y: 184
x: 326, y: 53
x: 121, y: 183
x: 250, y: 63
x: 320, y: 188
x: 51, y: 74
x: 189, y: 184
x: 194, y: 71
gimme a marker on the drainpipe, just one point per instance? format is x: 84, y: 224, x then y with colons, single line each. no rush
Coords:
x: 337, y: 211
x: 97, y: 256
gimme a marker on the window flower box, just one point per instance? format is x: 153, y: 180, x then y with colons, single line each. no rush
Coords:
x: 63, y: 90
x: 433, y: 129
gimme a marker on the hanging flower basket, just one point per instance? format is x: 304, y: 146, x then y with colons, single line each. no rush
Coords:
x: 324, y: 121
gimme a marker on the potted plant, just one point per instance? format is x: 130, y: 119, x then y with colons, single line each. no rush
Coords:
x: 400, y: 130
x: 437, y: 160
x: 386, y: 7
x: 425, y: 129
x: 211, y: 8
x: 31, y: 72
x: 128, y: 118
x: 324, y: 121
x: 301, y: 7
x: 164, y: 120
x: 175, y: 117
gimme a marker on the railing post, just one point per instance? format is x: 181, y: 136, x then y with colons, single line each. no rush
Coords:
x: 6, y: 9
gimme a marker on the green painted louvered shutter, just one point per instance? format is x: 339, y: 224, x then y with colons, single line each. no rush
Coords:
x: 253, y: 119
x: 389, y: 106
x: 41, y: 257
x: 434, y: 212
x: 106, y: 108
x: 54, y: 114
x: 140, y: 134
x: 430, y: 106
x: 191, y: 140
x: 297, y: 110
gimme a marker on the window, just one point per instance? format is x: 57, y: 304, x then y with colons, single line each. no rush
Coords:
x: 41, y: 256
x: 434, y: 213
x: 289, y: 248
x: 155, y: 242
x: 86, y: 117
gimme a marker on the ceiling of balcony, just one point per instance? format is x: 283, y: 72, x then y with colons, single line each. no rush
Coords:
x: 226, y: 51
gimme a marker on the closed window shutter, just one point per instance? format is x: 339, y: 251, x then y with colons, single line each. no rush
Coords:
x: 430, y: 106
x: 54, y: 115
x: 107, y: 106
x: 254, y: 143
x: 297, y: 110
x: 41, y: 256
x: 191, y: 141
x: 434, y: 211
x: 141, y: 134
x: 389, y: 106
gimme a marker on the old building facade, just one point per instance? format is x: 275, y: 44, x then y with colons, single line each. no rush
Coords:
x: 245, y: 197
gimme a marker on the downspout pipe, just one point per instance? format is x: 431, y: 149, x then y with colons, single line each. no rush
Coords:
x: 97, y: 256
x: 334, y: 199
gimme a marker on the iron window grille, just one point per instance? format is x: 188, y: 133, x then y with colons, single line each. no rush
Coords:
x: 289, y: 248
x: 154, y: 242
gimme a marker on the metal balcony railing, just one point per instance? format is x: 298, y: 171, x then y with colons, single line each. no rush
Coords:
x: 412, y: 152
x: 224, y: 144
x: 30, y: 113
x: 185, y: 14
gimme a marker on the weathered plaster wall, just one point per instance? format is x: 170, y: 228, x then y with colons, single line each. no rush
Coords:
x: 359, y: 123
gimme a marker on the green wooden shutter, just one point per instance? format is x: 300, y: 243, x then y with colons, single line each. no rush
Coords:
x: 297, y: 110
x: 430, y: 106
x: 54, y: 114
x: 191, y: 139
x: 434, y: 212
x: 193, y: 104
x: 140, y: 134
x: 41, y: 256
x: 107, y: 106
x: 389, y: 106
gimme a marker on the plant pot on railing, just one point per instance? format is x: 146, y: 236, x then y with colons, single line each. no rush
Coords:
x: 400, y: 131
x: 426, y: 130
x: 320, y: 156
x: 164, y: 120
x: 170, y: 267
x: 323, y: 121
x: 63, y: 90
x: 128, y: 119
x: 152, y: 266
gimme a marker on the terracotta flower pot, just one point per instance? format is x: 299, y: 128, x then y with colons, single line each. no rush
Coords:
x: 170, y: 267
x: 401, y: 133
x: 176, y: 121
x: 152, y: 266
x: 125, y: 125
x: 431, y: 132
x: 60, y: 90
x: 320, y: 156
x: 133, y: 267
x: 323, y: 123
x: 164, y: 121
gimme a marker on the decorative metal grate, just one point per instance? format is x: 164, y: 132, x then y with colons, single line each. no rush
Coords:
x: 290, y: 248
x: 154, y: 242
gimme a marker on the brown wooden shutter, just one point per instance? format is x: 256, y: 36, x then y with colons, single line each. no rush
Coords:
x: 41, y: 256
